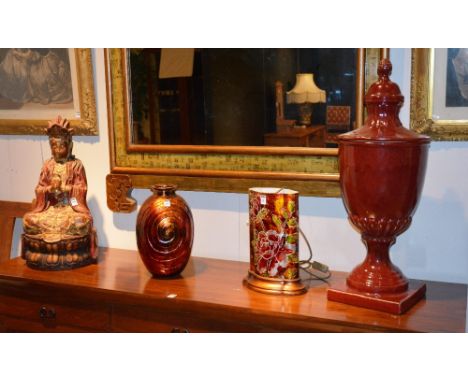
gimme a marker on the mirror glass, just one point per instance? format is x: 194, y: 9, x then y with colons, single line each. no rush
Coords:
x: 228, y: 97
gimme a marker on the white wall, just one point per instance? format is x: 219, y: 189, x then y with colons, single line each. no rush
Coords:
x: 434, y: 248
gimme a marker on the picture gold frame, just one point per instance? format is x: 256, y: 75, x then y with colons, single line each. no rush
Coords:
x: 422, y: 93
x: 84, y: 124
x: 311, y: 171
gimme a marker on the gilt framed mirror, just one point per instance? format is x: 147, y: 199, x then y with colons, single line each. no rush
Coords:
x: 224, y: 119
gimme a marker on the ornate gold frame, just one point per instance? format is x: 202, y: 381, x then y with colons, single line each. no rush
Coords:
x: 86, y: 124
x: 311, y: 171
x: 422, y: 69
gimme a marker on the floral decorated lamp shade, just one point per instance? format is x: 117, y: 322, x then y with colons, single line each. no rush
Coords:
x: 274, y: 239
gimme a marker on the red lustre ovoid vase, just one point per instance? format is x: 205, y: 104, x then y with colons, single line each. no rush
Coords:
x: 164, y: 232
x: 274, y: 241
x: 382, y: 169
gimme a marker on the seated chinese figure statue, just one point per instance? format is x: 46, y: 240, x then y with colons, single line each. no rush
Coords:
x: 58, y: 232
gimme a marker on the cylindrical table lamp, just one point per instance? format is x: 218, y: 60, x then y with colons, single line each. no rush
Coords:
x: 274, y: 241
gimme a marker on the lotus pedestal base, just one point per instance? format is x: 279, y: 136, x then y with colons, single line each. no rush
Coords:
x: 395, y: 303
x: 70, y: 253
x: 274, y: 286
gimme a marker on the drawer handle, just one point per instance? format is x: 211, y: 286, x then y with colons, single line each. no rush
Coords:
x: 46, y: 313
x: 179, y: 330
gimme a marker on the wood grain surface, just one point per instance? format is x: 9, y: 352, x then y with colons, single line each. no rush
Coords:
x: 209, y: 296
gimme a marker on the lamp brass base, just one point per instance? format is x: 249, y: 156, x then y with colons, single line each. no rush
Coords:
x: 274, y: 286
x: 395, y: 303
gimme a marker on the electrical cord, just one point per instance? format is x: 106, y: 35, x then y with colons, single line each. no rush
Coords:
x: 309, y: 265
x: 306, y: 265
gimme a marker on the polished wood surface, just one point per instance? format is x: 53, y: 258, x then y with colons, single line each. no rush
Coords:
x: 119, y: 294
x: 9, y: 212
x: 313, y: 136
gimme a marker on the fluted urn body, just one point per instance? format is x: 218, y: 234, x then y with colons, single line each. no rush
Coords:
x: 165, y: 232
x: 382, y: 169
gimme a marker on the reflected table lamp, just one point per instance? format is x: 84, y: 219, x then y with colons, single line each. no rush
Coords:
x: 305, y: 93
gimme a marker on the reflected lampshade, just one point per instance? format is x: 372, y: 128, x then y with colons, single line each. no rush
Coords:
x: 305, y: 90
x: 305, y: 93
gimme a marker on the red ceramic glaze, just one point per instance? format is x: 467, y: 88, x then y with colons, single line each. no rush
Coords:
x: 382, y: 169
x: 164, y: 232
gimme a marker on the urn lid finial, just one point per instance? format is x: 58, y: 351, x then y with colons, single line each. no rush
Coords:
x: 383, y: 102
x: 384, y: 90
x: 385, y: 68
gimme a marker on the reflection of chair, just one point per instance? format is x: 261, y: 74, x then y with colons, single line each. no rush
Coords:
x: 281, y: 123
x: 337, y: 121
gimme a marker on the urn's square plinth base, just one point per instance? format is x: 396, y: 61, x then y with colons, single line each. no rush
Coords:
x: 395, y: 303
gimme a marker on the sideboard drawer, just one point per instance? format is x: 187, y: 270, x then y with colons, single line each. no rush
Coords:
x: 51, y: 315
x: 150, y: 320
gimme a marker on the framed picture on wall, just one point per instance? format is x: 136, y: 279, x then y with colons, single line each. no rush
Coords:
x: 439, y: 93
x: 37, y: 84
x: 456, y: 86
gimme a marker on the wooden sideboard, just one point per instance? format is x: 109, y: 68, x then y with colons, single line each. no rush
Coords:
x: 119, y: 295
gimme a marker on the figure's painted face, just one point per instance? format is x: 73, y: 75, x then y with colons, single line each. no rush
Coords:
x: 61, y: 148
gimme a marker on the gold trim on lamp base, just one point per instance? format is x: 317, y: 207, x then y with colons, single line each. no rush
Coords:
x: 274, y: 286
x: 305, y: 114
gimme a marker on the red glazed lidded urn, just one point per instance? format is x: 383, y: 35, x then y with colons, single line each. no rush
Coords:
x: 382, y: 169
x: 164, y: 231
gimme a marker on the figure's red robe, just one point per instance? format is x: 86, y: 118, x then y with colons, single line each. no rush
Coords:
x: 76, y: 178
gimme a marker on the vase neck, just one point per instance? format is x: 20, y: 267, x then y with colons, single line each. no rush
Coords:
x: 164, y: 189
